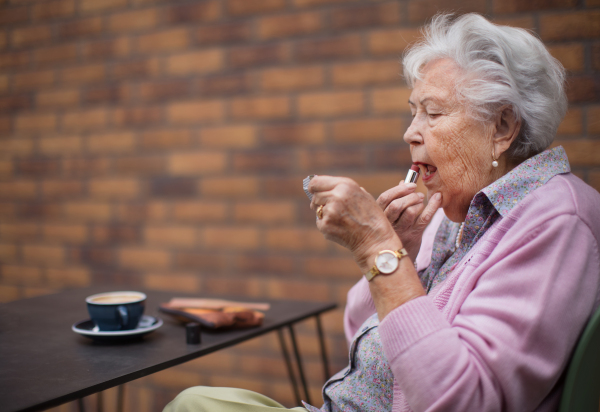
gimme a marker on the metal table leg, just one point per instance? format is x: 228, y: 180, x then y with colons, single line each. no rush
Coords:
x: 99, y: 402
x: 81, y: 405
x: 120, y: 397
x: 288, y: 363
x: 299, y: 363
x: 323, y: 349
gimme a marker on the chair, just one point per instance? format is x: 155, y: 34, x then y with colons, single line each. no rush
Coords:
x: 582, y: 384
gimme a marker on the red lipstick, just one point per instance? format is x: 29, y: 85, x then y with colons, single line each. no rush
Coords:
x: 413, y: 174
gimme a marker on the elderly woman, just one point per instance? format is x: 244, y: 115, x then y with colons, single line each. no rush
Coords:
x: 475, y: 301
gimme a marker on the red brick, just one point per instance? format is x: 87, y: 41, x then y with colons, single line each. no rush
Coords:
x: 166, y: 139
x: 8, y: 252
x: 258, y: 55
x: 39, y: 210
x: 164, y: 90
x: 4, y: 83
x: 390, y: 100
x: 105, y: 49
x: 12, y: 60
x: 570, y: 25
x: 187, y: 283
x: 9, y: 293
x: 15, y: 103
x: 593, y: 116
x: 238, y: 238
x: 68, y: 277
x: 80, y: 28
x: 191, y: 112
x: 149, y: 211
x: 225, y: 84
x: 368, y: 130
x: 86, y: 166
x: 173, y: 186
x: 289, y: 25
x: 140, y: 165
x: 35, y: 122
x: 116, y: 233
x: 582, y: 152
x: 114, y: 188
x: 229, y: 187
x: 330, y: 104
x: 167, y: 40
x: 111, y: 142
x: 295, y: 78
x: 196, y: 163
x: 95, y: 6
x: 70, y: 233
x: 16, y: 147
x: 138, y: 116
x: 85, y: 120
x: 265, y: 264
x: 239, y: 7
x: 201, y: 262
x: 204, y: 61
x: 241, y: 136
x: 46, y: 255
x: 395, y: 158
x: 392, y: 41
x: 515, y: 6
x: 197, y: 211
x: 264, y: 212
x: 53, y: 9
x: 313, y: 3
x: 596, y: 56
x: 594, y: 180
x: 202, y: 12
x: 14, y: 15
x: 583, y: 89
x: 294, y: 134
x: 177, y: 236
x: 18, y: 231
x: 572, y: 123
x: 56, y: 54
x: 3, y: 39
x: 329, y: 48
x: 366, y: 73
x: 62, y: 188
x: 421, y: 10
x: 91, y: 73
x: 6, y: 170
x: 523, y: 22
x: 133, y: 20
x: 263, y: 161
x: 138, y: 258
x: 305, y: 290
x: 33, y: 80
x: 365, y: 16
x: 286, y: 187
x: 107, y: 94
x: 224, y: 33
x: 37, y: 167
x: 295, y: 240
x: 31, y: 36
x: 570, y: 55
x: 314, y: 161
x: 332, y: 267
x: 260, y: 108
x: 57, y: 98
x: 135, y: 69
x: 21, y: 275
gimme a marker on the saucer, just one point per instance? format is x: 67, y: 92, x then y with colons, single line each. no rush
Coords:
x: 89, y: 329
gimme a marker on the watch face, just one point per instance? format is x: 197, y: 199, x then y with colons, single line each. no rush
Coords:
x: 386, y: 263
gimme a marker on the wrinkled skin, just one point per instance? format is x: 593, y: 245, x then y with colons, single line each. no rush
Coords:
x: 443, y: 135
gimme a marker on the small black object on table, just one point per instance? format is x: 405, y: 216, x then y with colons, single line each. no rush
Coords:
x: 43, y: 363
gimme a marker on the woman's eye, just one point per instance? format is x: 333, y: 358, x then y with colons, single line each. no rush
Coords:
x: 434, y: 115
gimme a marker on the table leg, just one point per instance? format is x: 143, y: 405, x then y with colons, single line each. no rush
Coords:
x: 99, y: 403
x: 299, y: 363
x: 288, y: 363
x: 120, y: 397
x: 81, y: 405
x: 323, y: 349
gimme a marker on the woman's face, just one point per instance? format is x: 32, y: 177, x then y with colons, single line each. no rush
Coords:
x: 453, y: 151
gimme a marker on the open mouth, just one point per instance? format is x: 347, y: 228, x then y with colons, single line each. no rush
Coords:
x: 427, y: 170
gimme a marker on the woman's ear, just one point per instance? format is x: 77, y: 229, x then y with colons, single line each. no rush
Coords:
x: 507, y: 129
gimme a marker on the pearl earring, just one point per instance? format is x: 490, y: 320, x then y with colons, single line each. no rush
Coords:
x: 494, y: 161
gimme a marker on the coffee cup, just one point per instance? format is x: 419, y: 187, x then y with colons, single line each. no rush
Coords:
x: 113, y: 311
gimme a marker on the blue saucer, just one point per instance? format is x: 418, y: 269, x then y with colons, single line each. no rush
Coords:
x: 89, y: 329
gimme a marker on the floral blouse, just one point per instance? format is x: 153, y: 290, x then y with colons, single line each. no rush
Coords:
x: 366, y: 384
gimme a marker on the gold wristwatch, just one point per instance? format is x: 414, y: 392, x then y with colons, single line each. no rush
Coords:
x: 386, y: 262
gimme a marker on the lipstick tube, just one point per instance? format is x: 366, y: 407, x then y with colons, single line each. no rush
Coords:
x: 413, y: 174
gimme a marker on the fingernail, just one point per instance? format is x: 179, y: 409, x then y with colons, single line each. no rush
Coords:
x: 421, y: 195
x: 411, y: 185
x: 437, y: 196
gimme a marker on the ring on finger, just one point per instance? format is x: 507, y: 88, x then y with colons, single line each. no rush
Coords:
x: 320, y: 212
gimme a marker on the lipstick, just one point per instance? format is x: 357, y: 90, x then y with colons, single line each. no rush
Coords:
x: 413, y: 174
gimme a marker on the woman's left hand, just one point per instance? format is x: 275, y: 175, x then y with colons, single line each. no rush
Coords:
x: 351, y: 217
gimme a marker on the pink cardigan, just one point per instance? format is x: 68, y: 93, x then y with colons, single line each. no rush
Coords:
x: 498, y: 333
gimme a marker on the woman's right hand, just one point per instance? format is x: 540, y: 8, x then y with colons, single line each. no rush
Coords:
x: 406, y: 211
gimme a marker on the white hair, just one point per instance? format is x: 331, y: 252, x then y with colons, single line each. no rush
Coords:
x: 501, y: 66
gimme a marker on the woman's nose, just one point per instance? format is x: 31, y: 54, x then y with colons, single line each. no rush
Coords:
x: 413, y: 134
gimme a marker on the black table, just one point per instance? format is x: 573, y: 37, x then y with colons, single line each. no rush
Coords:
x: 43, y: 363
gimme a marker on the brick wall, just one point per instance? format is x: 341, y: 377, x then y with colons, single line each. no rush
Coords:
x: 162, y: 144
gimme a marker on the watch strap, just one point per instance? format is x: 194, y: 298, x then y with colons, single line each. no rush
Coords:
x: 374, y: 271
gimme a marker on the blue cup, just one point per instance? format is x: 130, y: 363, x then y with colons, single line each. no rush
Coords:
x: 116, y: 310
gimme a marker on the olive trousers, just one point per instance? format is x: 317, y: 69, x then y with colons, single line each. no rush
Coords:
x: 208, y: 399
